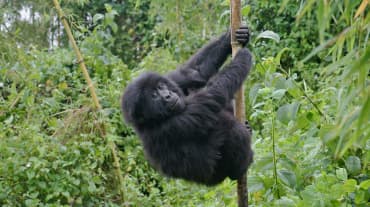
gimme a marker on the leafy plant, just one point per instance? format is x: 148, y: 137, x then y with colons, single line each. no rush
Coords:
x: 307, y: 101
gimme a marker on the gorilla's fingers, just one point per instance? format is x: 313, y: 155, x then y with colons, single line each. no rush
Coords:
x: 242, y: 30
x: 244, y: 36
x: 248, y: 127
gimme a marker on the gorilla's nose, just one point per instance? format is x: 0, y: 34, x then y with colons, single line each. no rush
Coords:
x: 168, y: 96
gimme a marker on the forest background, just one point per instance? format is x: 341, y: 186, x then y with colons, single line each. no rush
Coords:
x: 307, y: 100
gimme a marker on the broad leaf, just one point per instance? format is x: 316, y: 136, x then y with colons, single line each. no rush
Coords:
x: 288, y: 178
x: 287, y: 112
x: 268, y: 35
x: 341, y: 173
x: 353, y: 164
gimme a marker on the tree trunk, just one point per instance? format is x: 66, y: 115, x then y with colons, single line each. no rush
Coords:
x: 235, y: 19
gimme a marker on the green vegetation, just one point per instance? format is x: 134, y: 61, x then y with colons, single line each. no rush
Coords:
x: 307, y: 100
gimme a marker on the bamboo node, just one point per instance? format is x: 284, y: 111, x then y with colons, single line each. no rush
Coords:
x: 79, y: 61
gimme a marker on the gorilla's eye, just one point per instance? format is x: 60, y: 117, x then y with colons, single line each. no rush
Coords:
x: 161, y: 86
x: 155, y: 95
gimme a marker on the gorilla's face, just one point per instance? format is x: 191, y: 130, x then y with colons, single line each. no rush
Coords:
x: 150, y: 99
x: 164, y: 95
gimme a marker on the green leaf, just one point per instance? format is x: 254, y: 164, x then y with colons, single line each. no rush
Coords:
x: 97, y: 17
x: 92, y: 187
x: 307, y: 7
x: 264, y: 92
x: 341, y: 173
x: 292, y: 88
x: 336, y: 190
x: 246, y: 10
x: 225, y: 3
x: 309, y: 194
x: 264, y: 163
x: 328, y: 132
x: 32, y: 202
x: 137, y: 4
x: 66, y: 194
x: 361, y: 65
x: 287, y: 112
x: 353, y: 164
x: 283, y: 6
x: 288, y: 178
x: 255, y: 184
x: 268, y: 35
x: 360, y: 197
x: 278, y: 94
x: 278, y: 56
x: 349, y: 186
x: 9, y: 120
x: 3, y: 195
x: 285, y: 202
x: 364, y: 118
x: 253, y: 93
x: 114, y: 27
x: 225, y: 13
x: 365, y: 184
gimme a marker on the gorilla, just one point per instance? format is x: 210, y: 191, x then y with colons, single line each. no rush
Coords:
x: 185, y: 118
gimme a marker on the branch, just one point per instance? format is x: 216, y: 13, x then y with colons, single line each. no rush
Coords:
x: 235, y: 7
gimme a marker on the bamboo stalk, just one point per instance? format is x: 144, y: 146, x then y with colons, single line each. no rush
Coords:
x: 78, y: 54
x: 235, y: 20
x: 274, y: 157
x: 110, y: 143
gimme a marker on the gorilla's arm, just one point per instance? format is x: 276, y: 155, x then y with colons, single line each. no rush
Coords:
x: 202, y: 107
x: 225, y: 84
x: 202, y: 65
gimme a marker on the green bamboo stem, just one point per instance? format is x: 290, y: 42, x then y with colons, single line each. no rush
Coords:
x: 274, y: 156
x: 111, y: 144
x: 78, y: 54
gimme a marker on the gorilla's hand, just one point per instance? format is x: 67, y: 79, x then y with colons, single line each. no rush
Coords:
x: 248, y: 127
x: 242, y: 35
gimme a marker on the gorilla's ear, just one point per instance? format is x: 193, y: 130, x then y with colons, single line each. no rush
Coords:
x: 130, y: 104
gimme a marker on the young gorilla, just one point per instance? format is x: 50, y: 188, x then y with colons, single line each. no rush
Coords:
x: 185, y: 119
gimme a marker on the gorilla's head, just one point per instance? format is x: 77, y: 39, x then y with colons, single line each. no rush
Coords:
x: 150, y: 99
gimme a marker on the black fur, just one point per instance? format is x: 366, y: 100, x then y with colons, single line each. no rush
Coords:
x: 197, y: 138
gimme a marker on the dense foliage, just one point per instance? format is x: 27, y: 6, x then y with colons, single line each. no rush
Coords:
x: 307, y: 100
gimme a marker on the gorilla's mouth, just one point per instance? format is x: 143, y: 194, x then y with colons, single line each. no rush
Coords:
x: 174, y: 103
